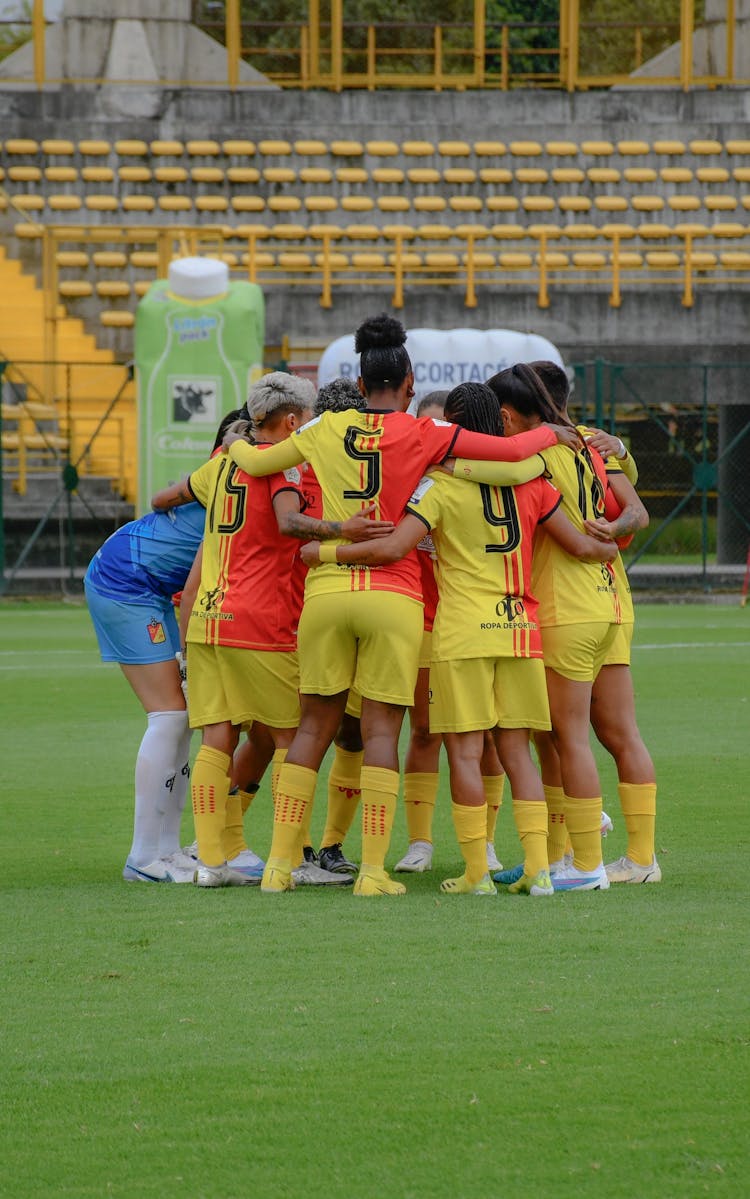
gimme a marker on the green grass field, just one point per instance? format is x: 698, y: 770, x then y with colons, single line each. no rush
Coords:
x: 162, y: 1040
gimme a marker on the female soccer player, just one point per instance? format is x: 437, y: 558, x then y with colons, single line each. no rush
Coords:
x: 129, y: 586
x: 359, y: 627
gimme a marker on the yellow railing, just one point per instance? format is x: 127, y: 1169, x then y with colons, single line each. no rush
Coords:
x: 335, y: 55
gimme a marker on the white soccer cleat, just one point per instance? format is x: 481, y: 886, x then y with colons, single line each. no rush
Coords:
x: 416, y: 860
x: 571, y: 879
x: 310, y: 875
x: 191, y: 851
x: 161, y: 870
x: 249, y: 864
x: 493, y: 862
x: 219, y: 876
x: 625, y: 870
x: 180, y: 861
x: 606, y: 825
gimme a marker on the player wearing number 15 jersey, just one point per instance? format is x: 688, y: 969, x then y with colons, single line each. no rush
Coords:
x: 359, y: 627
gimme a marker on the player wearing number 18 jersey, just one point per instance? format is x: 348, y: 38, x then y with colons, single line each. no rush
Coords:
x: 359, y: 627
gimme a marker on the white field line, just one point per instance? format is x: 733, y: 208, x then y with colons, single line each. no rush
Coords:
x: 695, y: 645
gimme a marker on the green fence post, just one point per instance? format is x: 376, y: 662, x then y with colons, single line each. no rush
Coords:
x: 2, y: 485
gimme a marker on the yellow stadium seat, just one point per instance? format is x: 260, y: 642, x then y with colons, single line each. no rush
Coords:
x: 408, y: 259
x: 728, y: 229
x: 275, y: 148
x: 202, y: 149
x: 417, y: 149
x: 387, y: 175
x: 175, y: 203
x: 574, y: 203
x: 26, y: 231
x: 548, y: 231
x: 662, y: 259
x: 617, y: 229
x: 627, y: 259
x: 568, y: 175
x: 289, y: 232
x: 261, y: 258
x: 434, y: 232
x: 53, y: 146
x: 368, y: 262
x: 279, y: 175
x: 284, y: 203
x: 144, y: 259
x: 393, y: 204
x: 481, y: 260
x: 702, y: 260
x: 74, y: 289
x: 170, y: 175
x: 720, y: 203
x: 654, y: 230
x: 495, y: 175
x: 676, y: 174
x: 736, y: 259
x: 113, y: 289
x: 459, y: 175
x: 25, y: 174
x: 561, y: 149
x: 705, y: 146
x: 211, y: 203
x: 423, y: 175
x: 21, y: 145
x: 64, y: 203
x: 741, y: 174
x: 248, y: 203
x: 29, y: 203
x: 538, y: 203
x: 243, y: 174
x: 60, y: 174
x: 465, y: 203
x: 712, y: 175
x: 351, y: 175
x: 525, y: 149
x: 362, y: 232
x: 669, y: 147
x: 746, y: 202
x: 632, y: 148
x: 509, y: 232
x: 109, y: 259
x: 684, y: 203
x: 315, y: 175
x: 335, y: 260
x: 347, y: 149
x: 489, y: 149
x: 116, y: 320
x: 382, y: 149
x: 321, y: 203
x: 502, y: 203
x: 429, y: 204
x: 454, y: 149
x: 589, y: 260
x: 357, y: 203
x: 690, y: 229
x: 97, y: 174
x: 441, y: 260
x: 603, y: 175
x: 101, y: 203
x: 94, y: 148
x: 141, y: 286
x: 553, y: 260
x: 580, y: 232
x: 293, y: 260
x: 238, y: 148
x: 131, y: 148
x: 737, y: 146
x: 531, y: 175
x: 511, y: 261
x: 597, y: 149
x: 72, y: 258
x: 647, y: 203
x: 640, y: 174
x: 134, y: 174
x: 206, y: 174
x: 401, y: 231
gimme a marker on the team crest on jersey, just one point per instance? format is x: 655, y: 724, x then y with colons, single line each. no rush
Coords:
x: 155, y: 630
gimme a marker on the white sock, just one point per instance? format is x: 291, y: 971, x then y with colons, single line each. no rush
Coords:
x: 155, y: 770
x: 169, y: 834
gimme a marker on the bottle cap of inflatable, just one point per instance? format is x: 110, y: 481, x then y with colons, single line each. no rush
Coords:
x: 198, y: 278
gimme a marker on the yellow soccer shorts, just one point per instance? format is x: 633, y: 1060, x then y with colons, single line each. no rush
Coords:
x: 618, y: 653
x: 468, y: 694
x: 242, y: 685
x: 354, y: 705
x: 425, y: 652
x: 578, y: 651
x: 366, y: 640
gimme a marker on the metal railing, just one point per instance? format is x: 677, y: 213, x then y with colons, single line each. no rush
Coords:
x: 337, y: 55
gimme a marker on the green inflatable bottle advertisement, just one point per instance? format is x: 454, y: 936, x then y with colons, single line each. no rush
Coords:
x: 198, y: 347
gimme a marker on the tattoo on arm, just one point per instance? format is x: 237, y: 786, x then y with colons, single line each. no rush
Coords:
x: 627, y: 522
x: 306, y: 528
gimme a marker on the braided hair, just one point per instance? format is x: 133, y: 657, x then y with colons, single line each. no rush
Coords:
x: 474, y: 406
x: 384, y: 362
x: 521, y: 388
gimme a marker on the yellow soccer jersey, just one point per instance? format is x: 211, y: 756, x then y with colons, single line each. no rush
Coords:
x: 627, y: 467
x: 483, y: 537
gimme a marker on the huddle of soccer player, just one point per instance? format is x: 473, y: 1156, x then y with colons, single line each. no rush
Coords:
x: 471, y: 558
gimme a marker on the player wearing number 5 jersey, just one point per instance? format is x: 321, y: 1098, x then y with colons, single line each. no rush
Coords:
x: 363, y: 627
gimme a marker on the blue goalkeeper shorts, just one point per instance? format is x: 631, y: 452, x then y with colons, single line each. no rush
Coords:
x: 134, y: 634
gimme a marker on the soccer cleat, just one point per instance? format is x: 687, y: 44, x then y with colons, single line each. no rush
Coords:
x: 493, y: 862
x: 462, y: 886
x: 219, y: 876
x: 561, y: 864
x: 161, y: 870
x: 416, y: 860
x: 331, y: 857
x: 509, y: 876
x: 606, y: 825
x: 309, y: 874
x: 625, y: 870
x: 277, y: 877
x: 571, y: 879
x: 190, y: 851
x: 249, y: 864
x: 374, y: 881
x: 539, y: 886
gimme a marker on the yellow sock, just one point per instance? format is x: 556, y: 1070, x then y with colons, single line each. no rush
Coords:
x: 294, y: 794
x: 531, y: 822
x: 420, y: 793
x: 470, y: 824
x: 638, y: 802
x: 233, y: 838
x: 209, y: 785
x: 557, y: 834
x: 343, y: 795
x: 277, y: 761
x: 247, y: 797
x: 379, y: 793
x: 583, y: 818
x: 493, y: 793
x: 304, y: 837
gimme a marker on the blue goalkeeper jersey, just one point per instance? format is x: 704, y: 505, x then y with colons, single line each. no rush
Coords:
x: 149, y: 556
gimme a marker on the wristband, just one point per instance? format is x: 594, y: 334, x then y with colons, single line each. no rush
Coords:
x: 623, y: 449
x: 327, y: 553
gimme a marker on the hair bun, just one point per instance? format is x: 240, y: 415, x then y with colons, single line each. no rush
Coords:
x: 379, y: 333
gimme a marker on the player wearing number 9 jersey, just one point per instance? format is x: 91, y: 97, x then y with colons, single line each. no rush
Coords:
x: 360, y: 627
